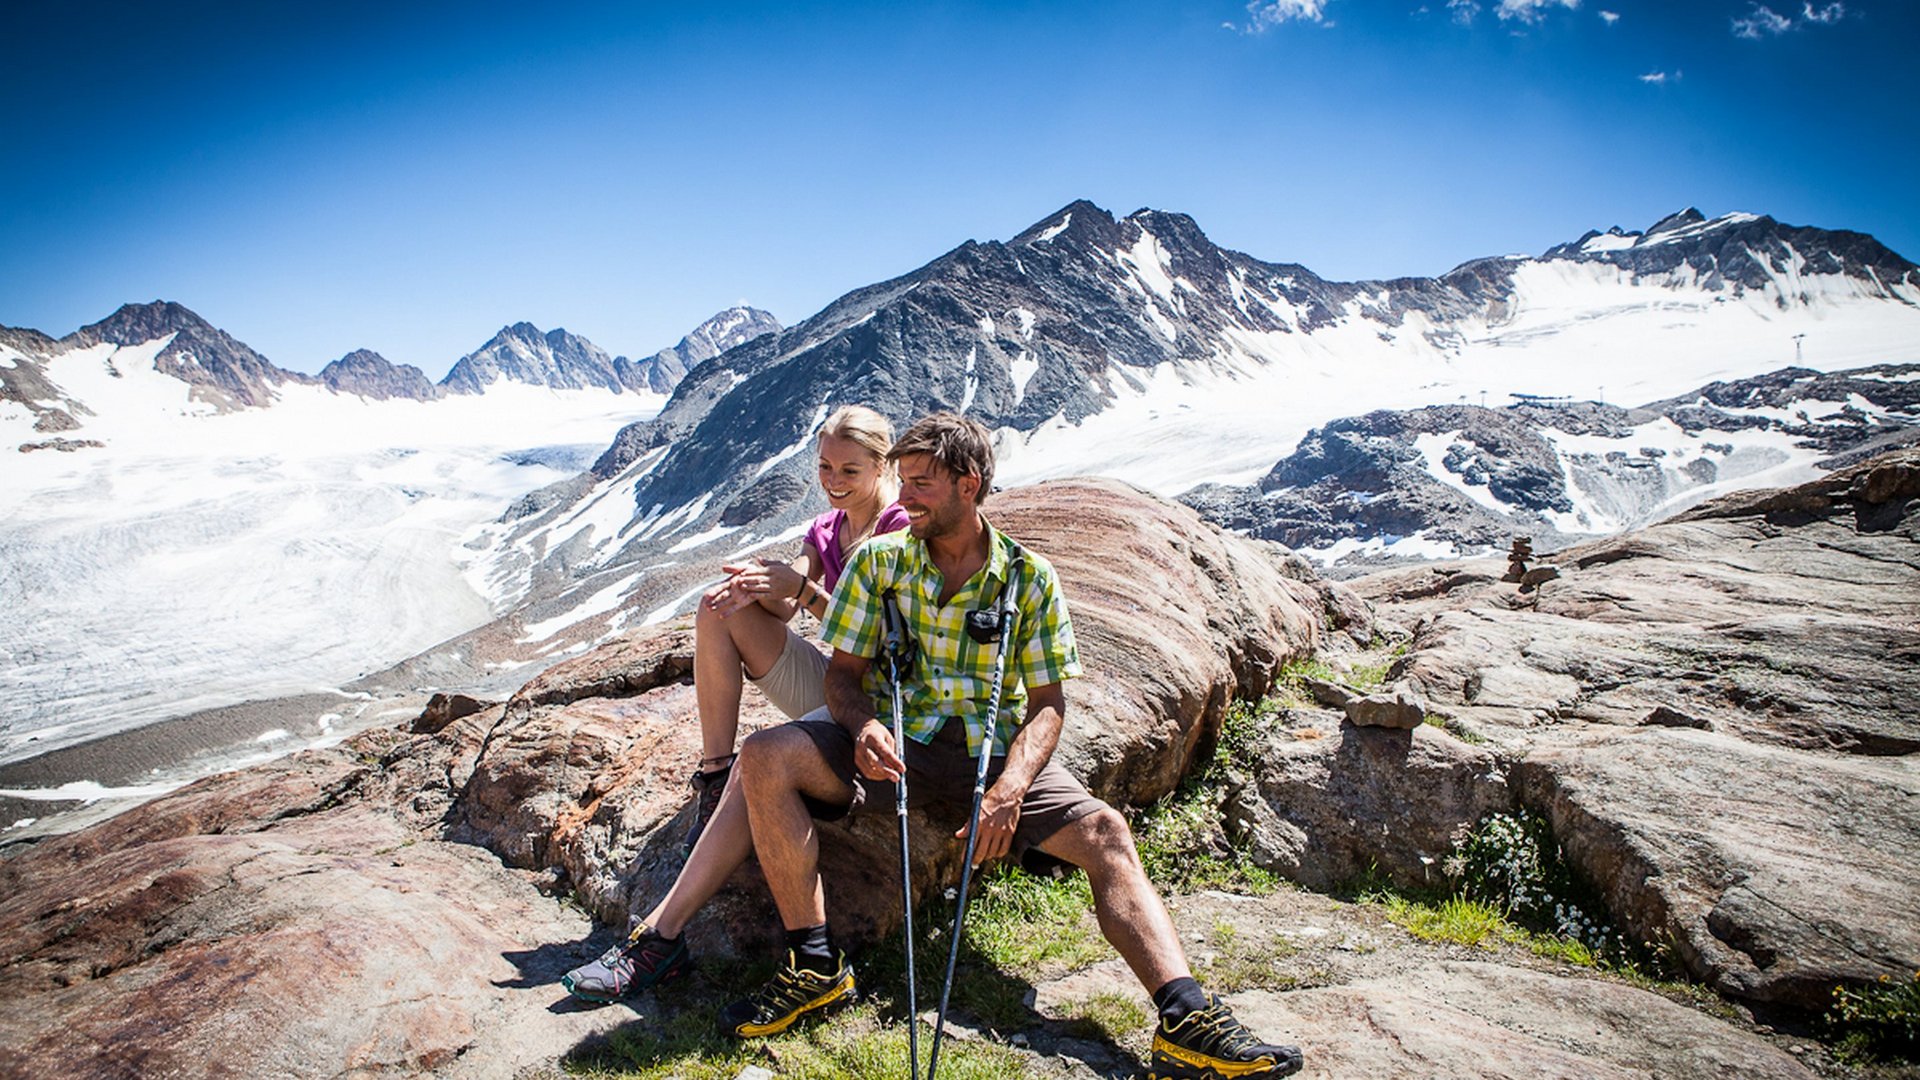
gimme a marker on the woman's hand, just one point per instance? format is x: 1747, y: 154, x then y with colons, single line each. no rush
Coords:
x: 757, y: 582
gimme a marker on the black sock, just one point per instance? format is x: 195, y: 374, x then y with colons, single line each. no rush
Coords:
x: 1178, y: 998
x: 812, y: 949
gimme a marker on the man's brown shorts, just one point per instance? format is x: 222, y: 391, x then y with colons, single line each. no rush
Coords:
x: 940, y: 777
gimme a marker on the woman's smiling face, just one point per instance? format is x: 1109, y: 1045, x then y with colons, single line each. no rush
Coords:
x: 849, y: 473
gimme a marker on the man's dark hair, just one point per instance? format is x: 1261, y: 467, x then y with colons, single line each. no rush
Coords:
x: 961, y: 446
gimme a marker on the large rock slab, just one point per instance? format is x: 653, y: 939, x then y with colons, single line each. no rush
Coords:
x: 297, y: 919
x: 1775, y: 873
x: 1716, y: 712
x: 1173, y: 617
x: 1781, y: 616
x: 1504, y: 1023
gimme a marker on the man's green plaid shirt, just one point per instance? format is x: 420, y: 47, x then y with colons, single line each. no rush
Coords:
x: 953, y: 675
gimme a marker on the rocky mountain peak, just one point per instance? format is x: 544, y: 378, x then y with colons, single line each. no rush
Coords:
x: 222, y: 369
x: 1678, y: 220
x: 135, y: 324
x: 370, y: 375
x: 523, y: 353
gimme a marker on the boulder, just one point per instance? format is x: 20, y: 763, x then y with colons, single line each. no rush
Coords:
x: 444, y: 709
x: 1174, y: 619
x: 1328, y: 803
x: 1776, y: 873
x: 1396, y: 707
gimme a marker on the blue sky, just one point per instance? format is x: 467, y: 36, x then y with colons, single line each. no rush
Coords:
x: 316, y: 178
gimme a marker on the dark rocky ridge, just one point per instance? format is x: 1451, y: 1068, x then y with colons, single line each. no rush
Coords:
x: 919, y: 342
x: 1361, y: 477
x: 1749, y: 254
x: 221, y: 369
x: 370, y: 375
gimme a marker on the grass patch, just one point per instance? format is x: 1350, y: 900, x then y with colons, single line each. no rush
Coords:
x: 1509, y: 884
x: 1034, y: 925
x: 858, y: 1044
x: 1290, y: 685
x: 1455, y: 920
x: 1114, y: 1016
x: 1184, y: 845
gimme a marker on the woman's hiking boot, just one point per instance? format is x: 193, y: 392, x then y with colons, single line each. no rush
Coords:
x: 707, y: 789
x: 792, y: 993
x: 1210, y: 1044
x: 643, y: 960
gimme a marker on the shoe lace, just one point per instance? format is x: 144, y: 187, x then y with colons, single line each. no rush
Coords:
x: 1218, y: 1031
x: 787, y: 989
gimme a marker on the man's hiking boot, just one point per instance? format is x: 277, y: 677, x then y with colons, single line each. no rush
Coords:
x: 641, y: 961
x: 1209, y: 1044
x: 792, y: 993
x: 707, y: 789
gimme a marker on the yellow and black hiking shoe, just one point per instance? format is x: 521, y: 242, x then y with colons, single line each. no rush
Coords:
x: 792, y: 993
x: 1209, y: 1044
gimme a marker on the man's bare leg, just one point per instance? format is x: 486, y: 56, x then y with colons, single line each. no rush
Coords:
x: 777, y: 766
x: 1198, y: 1036
x: 1132, y: 916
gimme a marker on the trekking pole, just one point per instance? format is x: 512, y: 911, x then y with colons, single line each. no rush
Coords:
x: 896, y: 649
x: 1002, y: 630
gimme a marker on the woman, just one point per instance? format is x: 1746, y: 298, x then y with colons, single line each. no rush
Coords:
x: 740, y: 633
x: 741, y: 629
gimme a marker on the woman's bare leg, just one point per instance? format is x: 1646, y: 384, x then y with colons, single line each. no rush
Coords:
x: 726, y: 651
x: 724, y: 845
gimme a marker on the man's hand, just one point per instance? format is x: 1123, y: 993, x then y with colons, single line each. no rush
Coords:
x: 874, y: 754
x: 999, y: 816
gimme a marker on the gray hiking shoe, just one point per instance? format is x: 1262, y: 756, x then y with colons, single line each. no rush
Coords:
x: 641, y: 961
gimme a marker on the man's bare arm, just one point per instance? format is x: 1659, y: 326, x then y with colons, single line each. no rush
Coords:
x: 852, y: 708
x: 1031, y: 749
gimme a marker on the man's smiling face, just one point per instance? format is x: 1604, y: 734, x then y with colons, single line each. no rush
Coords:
x: 936, y: 501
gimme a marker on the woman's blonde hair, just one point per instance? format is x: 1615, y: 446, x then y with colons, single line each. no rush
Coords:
x: 859, y: 424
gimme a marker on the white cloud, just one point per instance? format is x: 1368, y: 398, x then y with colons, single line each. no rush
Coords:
x: 1609, y: 17
x: 1464, y: 10
x: 1530, y: 11
x: 1263, y: 14
x: 1761, y: 20
x: 1660, y: 78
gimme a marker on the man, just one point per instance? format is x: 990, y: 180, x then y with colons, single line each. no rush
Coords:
x: 948, y: 562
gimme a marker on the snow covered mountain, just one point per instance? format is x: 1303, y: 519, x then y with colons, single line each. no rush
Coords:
x: 367, y: 374
x: 737, y: 325
x: 1137, y: 348
x: 521, y: 353
x: 225, y: 530
x: 149, y: 361
x: 241, y: 551
x: 1446, y: 481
